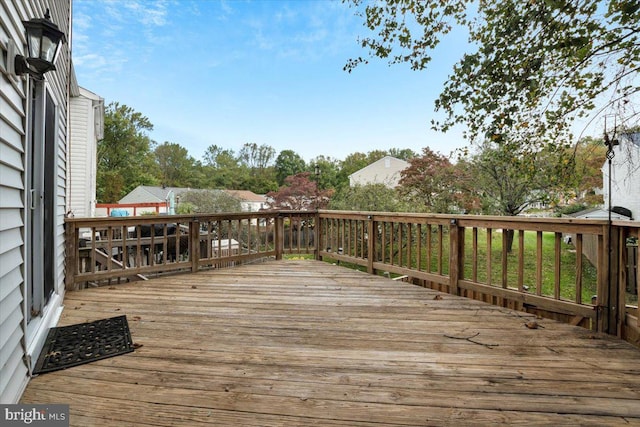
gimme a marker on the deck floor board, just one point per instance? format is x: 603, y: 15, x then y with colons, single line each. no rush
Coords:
x: 309, y: 343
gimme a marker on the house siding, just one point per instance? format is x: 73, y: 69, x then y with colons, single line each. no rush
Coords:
x: 625, y: 178
x: 17, y: 346
x: 84, y: 110
x: 384, y: 171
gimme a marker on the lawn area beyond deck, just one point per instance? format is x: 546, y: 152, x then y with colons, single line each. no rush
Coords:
x: 309, y: 343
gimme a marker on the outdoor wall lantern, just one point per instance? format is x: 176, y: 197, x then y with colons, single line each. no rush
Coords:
x: 43, y: 43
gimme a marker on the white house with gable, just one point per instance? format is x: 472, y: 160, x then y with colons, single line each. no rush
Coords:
x: 250, y: 201
x: 384, y: 171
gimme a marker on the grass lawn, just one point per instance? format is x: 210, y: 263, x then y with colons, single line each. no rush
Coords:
x: 567, y: 265
x: 567, y: 289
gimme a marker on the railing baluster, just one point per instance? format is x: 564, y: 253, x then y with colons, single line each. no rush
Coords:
x: 578, y: 247
x: 440, y: 248
x: 521, y: 260
x: 505, y: 243
x: 489, y: 255
x: 409, y: 245
x: 429, y: 248
x: 557, y: 266
x: 474, y: 260
x: 539, y: 263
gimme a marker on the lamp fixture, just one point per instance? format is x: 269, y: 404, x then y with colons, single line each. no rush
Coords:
x: 43, y: 44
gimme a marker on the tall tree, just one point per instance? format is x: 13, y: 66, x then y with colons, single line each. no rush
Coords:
x: 124, y: 156
x: 256, y: 157
x: 510, y: 178
x: 217, y: 156
x: 589, y: 156
x: 329, y: 172
x: 222, y: 169
x: 176, y: 167
x: 405, y: 154
x: 208, y: 201
x: 288, y: 163
x: 433, y: 183
x: 257, y: 161
x: 532, y: 66
x: 369, y: 197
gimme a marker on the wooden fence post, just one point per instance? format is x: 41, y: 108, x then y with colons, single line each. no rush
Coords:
x: 456, y: 256
x: 194, y: 238
x: 622, y: 257
x: 317, y: 230
x: 71, y: 257
x: 279, y: 236
x: 608, y: 310
x: 371, y: 244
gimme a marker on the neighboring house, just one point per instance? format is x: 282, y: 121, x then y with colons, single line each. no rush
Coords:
x: 86, y: 128
x: 625, y: 175
x: 34, y: 136
x: 384, y: 171
x: 250, y: 201
x: 151, y: 194
x: 148, y: 194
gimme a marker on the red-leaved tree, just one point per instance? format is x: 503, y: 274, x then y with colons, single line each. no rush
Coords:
x: 299, y: 193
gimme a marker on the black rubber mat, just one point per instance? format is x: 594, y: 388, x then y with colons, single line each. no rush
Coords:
x: 75, y: 345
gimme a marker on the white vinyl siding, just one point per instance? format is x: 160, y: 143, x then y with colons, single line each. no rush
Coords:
x: 14, y: 333
x: 13, y: 371
x: 625, y: 174
x: 384, y: 171
x: 85, y: 115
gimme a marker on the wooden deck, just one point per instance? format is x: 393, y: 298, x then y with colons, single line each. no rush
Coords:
x: 308, y: 343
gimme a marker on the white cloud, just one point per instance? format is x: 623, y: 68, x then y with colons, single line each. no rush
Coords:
x: 91, y: 60
x: 148, y: 13
x: 227, y: 10
x: 82, y: 21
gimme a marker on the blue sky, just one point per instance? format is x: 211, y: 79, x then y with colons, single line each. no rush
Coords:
x: 266, y: 72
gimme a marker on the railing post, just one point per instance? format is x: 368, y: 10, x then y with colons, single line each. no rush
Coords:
x: 621, y: 278
x: 71, y: 257
x: 317, y: 230
x: 371, y: 244
x: 279, y: 236
x: 608, y: 310
x: 194, y: 238
x: 456, y: 255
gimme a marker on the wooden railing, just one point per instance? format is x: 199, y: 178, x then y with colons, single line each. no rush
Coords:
x: 106, y: 250
x: 563, y: 269
x: 579, y: 271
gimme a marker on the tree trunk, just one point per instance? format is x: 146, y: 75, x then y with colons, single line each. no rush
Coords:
x: 509, y: 237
